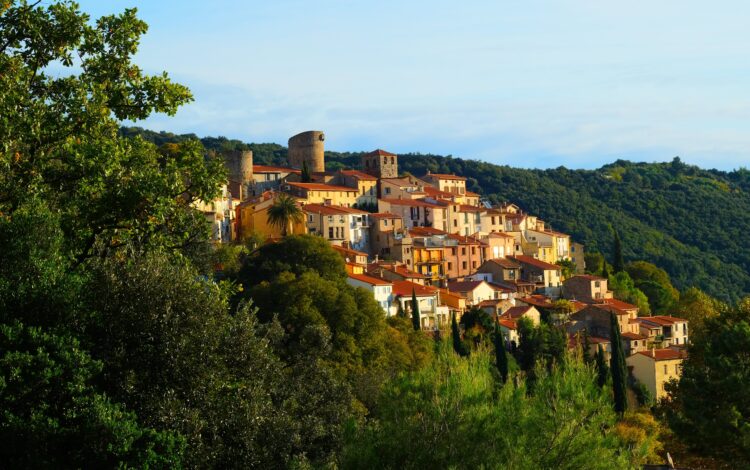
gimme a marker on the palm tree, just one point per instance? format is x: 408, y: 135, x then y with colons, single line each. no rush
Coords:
x: 284, y: 213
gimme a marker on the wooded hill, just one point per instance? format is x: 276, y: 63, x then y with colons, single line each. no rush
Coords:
x: 689, y: 221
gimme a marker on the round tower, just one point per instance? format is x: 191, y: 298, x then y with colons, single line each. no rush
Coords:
x: 307, y: 147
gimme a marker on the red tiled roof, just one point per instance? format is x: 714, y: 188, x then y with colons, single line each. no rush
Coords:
x: 501, y: 234
x: 619, y: 304
x: 322, y: 187
x: 633, y: 336
x: 348, y: 251
x: 404, y: 288
x: 664, y: 354
x: 411, y: 202
x: 426, y: 231
x: 588, y: 277
x: 489, y: 302
x: 273, y: 169
x: 661, y: 320
x: 516, y: 312
x: 510, y: 324
x: 382, y: 153
x: 468, y: 208
x: 505, y: 263
x: 324, y: 209
x: 464, y: 240
x: 537, y: 301
x: 358, y: 174
x: 384, y: 215
x: 370, y: 280
x: 469, y: 193
x: 444, y: 176
x: 435, y: 192
x: 464, y: 286
x: 535, y: 262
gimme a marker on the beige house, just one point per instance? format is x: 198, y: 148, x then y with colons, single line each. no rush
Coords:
x: 586, y: 288
x: 655, y: 367
x: 501, y: 269
x: 475, y: 291
x: 577, y: 255
x: 664, y: 330
x: 545, y: 275
x: 339, y: 225
x: 366, y: 185
x: 416, y: 213
x: 448, y: 183
x: 384, y: 227
x: 523, y: 311
x: 320, y: 193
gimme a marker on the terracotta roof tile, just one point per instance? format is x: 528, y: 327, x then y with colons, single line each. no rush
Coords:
x: 370, y: 280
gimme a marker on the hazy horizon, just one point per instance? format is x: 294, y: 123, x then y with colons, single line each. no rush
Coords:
x: 532, y: 84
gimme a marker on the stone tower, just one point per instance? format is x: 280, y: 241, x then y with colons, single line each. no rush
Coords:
x: 381, y: 164
x: 307, y: 147
x: 239, y: 165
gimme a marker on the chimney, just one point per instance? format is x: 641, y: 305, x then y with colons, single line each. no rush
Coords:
x: 653, y: 351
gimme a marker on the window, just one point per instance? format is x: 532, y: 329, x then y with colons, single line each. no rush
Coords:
x: 597, y: 283
x: 453, y: 251
x: 455, y: 222
x: 385, y: 223
x: 635, y: 343
x: 463, y: 264
x: 474, y: 264
x: 310, y: 218
x: 450, y: 265
x: 388, y: 190
x: 676, y: 368
x: 665, y: 368
x: 463, y: 250
x: 473, y: 250
x: 330, y: 232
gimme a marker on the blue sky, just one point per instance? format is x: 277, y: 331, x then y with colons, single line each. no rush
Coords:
x: 528, y: 83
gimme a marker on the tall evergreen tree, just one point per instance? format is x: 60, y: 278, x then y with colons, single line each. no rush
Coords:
x: 501, y: 358
x: 605, y: 271
x: 618, y: 263
x: 602, y: 370
x: 617, y: 365
x: 401, y: 313
x: 305, y: 176
x: 458, y: 345
x: 415, y: 311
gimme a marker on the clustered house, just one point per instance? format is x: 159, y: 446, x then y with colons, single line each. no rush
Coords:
x: 431, y: 238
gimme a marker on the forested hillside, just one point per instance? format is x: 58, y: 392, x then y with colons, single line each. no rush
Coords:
x: 689, y: 221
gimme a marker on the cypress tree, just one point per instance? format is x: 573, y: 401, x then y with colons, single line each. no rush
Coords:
x: 400, y: 313
x: 458, y: 345
x: 618, y: 368
x: 605, y: 270
x: 501, y: 358
x: 619, y: 262
x: 602, y: 371
x: 305, y: 176
x: 415, y: 311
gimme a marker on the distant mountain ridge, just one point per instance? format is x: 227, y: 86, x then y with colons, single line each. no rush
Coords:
x: 694, y: 223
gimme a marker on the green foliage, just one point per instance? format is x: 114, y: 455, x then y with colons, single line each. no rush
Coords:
x: 284, y: 213
x: 697, y: 308
x: 459, y: 346
x: 501, y: 355
x: 618, y: 261
x: 53, y: 416
x: 462, y: 419
x: 618, y: 367
x: 712, y: 412
x: 543, y: 344
x: 415, y: 313
x: 301, y: 283
x: 655, y: 284
x: 624, y: 289
x: 568, y: 267
x: 602, y: 369
x: 305, y: 177
x: 594, y: 262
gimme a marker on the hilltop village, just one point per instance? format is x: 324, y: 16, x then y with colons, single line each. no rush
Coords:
x: 426, y: 237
